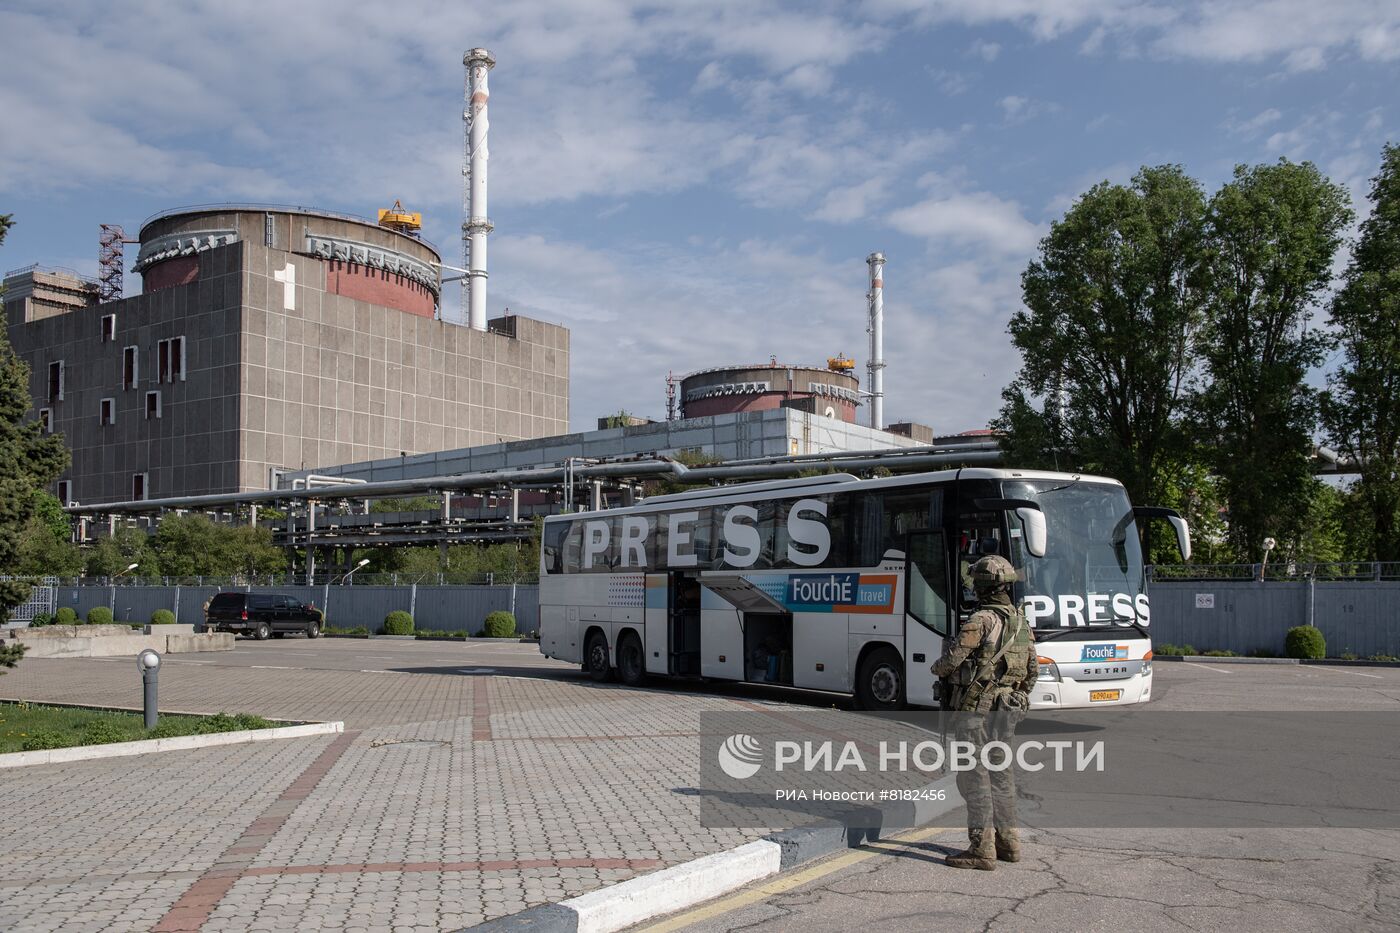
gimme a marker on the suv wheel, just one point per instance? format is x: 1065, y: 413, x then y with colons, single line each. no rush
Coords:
x: 263, y: 632
x: 313, y: 630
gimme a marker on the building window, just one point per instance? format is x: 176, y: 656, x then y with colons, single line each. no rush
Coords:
x: 46, y: 420
x: 170, y: 360
x: 152, y: 405
x: 138, y: 485
x: 65, y: 491
x: 131, y: 367
x: 108, y: 414
x: 56, y: 381
x: 109, y: 328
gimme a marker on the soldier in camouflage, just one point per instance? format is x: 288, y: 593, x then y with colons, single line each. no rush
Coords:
x: 989, y: 668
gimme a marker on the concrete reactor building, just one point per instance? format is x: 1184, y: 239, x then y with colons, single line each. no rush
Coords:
x: 271, y: 339
x: 832, y: 392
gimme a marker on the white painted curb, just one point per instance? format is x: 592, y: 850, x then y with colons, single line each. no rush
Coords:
x: 177, y: 743
x: 628, y: 903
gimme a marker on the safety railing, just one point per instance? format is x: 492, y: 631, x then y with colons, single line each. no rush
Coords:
x: 1339, y: 571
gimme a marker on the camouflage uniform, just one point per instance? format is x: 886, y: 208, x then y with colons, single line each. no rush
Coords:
x: 991, y: 667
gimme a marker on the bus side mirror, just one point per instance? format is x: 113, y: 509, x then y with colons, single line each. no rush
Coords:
x: 1028, y: 511
x: 1033, y: 521
x: 1183, y: 536
x: 1183, y: 533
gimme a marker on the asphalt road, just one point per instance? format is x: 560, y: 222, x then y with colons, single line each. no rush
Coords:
x: 1140, y: 879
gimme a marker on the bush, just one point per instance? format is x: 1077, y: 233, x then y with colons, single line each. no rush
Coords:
x: 333, y: 630
x: 99, y: 615
x: 65, y: 616
x: 162, y: 617
x: 103, y: 732
x: 1305, y: 642
x: 40, y: 620
x: 498, y: 624
x: 398, y: 622
x: 45, y: 739
x: 433, y: 633
x: 1169, y: 650
x: 1222, y: 653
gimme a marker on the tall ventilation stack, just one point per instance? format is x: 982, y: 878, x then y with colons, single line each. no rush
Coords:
x: 876, y: 328
x: 476, y: 224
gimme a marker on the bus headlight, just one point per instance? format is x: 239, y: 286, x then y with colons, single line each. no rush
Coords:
x: 1146, y: 663
x: 1048, y: 670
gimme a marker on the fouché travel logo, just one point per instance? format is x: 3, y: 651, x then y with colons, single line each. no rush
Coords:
x: 740, y: 756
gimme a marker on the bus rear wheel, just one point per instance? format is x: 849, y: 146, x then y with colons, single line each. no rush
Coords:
x: 880, y: 682
x: 595, y: 658
x: 631, y: 662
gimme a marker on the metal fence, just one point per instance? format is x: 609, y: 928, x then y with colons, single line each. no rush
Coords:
x: 42, y: 599
x: 447, y: 607
x: 336, y: 578
x: 1358, y: 616
x: 1356, y: 571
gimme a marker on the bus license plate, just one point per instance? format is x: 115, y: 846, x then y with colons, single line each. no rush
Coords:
x: 1104, y: 696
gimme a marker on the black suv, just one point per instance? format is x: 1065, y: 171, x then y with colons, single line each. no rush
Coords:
x: 262, y: 615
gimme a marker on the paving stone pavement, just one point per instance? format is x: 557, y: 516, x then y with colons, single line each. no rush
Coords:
x: 452, y: 798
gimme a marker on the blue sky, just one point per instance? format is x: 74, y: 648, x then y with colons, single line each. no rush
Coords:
x: 689, y: 184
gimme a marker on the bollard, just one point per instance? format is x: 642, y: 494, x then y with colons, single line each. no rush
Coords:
x: 148, y: 663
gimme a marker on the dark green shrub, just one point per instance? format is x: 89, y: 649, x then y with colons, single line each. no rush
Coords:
x: 1304, y: 642
x: 40, y: 620
x: 103, y: 732
x: 162, y: 617
x: 398, y: 622
x: 1222, y: 653
x: 45, y: 739
x: 498, y: 624
x: 1383, y: 657
x: 223, y: 722
x: 1169, y: 650
x: 99, y: 615
x: 66, y: 615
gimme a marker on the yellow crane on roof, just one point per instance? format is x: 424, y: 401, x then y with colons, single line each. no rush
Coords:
x: 396, y: 218
x: 840, y: 363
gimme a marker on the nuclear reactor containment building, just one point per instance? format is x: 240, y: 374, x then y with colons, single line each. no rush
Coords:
x: 267, y: 339
x: 831, y: 392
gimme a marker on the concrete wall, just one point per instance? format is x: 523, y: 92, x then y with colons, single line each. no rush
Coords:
x: 446, y: 608
x: 1357, y: 618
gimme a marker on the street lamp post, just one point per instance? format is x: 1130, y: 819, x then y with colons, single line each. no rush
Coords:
x: 148, y: 663
x: 112, y: 596
x: 1269, y: 545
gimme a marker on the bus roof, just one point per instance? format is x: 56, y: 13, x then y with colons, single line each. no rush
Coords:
x: 834, y: 481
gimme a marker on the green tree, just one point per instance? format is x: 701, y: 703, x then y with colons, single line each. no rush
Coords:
x: 1113, y: 303
x: 1361, y: 408
x: 29, y: 460
x: 113, y: 554
x: 1273, y: 231
x: 45, y: 545
x: 194, y: 545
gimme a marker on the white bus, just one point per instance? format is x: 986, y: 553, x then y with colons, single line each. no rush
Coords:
x: 851, y: 585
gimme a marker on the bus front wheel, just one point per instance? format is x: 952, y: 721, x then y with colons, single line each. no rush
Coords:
x: 880, y: 684
x: 595, y: 658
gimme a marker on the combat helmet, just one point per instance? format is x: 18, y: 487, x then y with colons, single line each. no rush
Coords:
x: 992, y: 570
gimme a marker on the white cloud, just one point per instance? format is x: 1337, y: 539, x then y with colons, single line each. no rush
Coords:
x: 1018, y: 109
x: 977, y: 219
x: 1255, y: 124
x: 987, y: 51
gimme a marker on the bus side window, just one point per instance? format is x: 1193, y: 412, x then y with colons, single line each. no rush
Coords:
x: 979, y: 535
x: 573, y: 546
x: 553, y: 544
x: 837, y: 553
x: 927, y: 581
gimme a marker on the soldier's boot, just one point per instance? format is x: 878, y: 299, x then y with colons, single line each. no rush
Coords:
x: 1008, y: 845
x: 980, y: 853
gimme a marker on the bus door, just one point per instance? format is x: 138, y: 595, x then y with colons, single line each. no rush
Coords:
x: 927, y: 612
x: 683, y: 607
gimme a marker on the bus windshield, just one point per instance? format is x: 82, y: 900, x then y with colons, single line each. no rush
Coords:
x: 1092, y: 574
